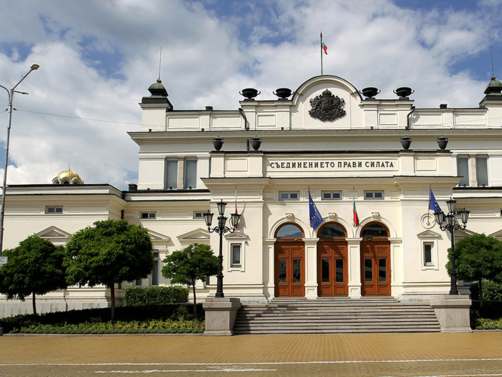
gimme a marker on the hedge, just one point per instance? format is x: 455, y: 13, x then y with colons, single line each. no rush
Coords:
x: 491, y: 291
x: 138, y: 296
x: 126, y: 314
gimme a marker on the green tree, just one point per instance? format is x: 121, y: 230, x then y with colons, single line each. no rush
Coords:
x: 109, y: 253
x: 478, y: 258
x: 194, y: 262
x: 34, y: 267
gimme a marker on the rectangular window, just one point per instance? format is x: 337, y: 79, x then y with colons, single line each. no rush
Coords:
x: 236, y: 255
x: 190, y: 174
x: 382, y: 269
x: 171, y: 174
x: 339, y: 271
x: 428, y: 254
x: 282, y: 271
x: 373, y: 195
x: 54, y: 210
x: 198, y: 215
x: 325, y: 270
x: 482, y: 171
x: 297, y: 272
x: 289, y: 196
x: 331, y: 195
x: 463, y: 170
x: 368, y: 270
x: 138, y: 283
x: 147, y: 215
x: 155, y: 271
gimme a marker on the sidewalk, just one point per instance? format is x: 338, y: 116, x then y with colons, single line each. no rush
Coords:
x: 476, y: 354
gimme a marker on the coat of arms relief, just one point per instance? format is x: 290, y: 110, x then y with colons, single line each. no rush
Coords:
x: 327, y: 107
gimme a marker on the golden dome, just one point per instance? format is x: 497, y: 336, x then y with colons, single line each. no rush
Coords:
x: 67, y: 177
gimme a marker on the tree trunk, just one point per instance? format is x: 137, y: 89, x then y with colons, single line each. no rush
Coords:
x: 34, y: 304
x: 112, y: 293
x: 480, y: 293
x: 194, y: 300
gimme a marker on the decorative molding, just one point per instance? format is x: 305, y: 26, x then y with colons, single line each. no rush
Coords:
x: 327, y: 107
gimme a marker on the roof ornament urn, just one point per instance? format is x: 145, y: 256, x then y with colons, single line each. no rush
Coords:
x: 282, y: 93
x: 218, y: 142
x: 406, y: 142
x: 442, y: 142
x: 404, y: 92
x: 256, y: 142
x: 370, y: 92
x: 249, y: 93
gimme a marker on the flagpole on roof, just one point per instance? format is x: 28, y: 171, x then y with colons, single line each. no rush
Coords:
x: 321, y: 56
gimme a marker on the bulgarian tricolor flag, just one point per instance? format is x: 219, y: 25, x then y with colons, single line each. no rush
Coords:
x: 324, y: 48
x: 354, y: 210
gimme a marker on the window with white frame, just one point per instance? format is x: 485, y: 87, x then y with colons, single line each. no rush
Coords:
x: 285, y: 196
x: 147, y: 215
x: 171, y: 181
x: 190, y: 176
x: 373, y: 195
x: 463, y: 170
x: 482, y: 171
x: 331, y: 195
x: 428, y: 248
x: 236, y: 255
x: 54, y: 210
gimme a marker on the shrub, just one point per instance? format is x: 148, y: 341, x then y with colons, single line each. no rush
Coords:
x: 491, y: 291
x: 138, y: 296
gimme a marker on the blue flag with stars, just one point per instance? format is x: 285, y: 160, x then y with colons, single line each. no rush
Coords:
x: 315, y: 217
x: 433, y: 204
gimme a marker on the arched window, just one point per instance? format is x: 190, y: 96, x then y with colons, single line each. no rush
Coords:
x: 332, y: 230
x: 289, y: 231
x: 375, y: 230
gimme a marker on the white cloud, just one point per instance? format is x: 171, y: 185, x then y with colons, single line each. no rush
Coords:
x: 207, y: 59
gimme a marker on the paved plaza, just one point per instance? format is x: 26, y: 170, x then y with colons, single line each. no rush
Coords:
x: 372, y: 355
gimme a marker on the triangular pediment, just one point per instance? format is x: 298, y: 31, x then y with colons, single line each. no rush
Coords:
x: 497, y: 234
x: 237, y: 236
x: 429, y: 234
x: 464, y: 233
x: 197, y: 235
x: 54, y: 232
x: 155, y: 236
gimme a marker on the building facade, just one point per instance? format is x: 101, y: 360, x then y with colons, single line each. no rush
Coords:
x: 343, y: 147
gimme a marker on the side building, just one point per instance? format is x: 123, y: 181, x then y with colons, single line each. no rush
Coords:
x: 345, y: 148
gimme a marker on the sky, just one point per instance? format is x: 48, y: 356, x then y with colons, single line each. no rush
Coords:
x: 98, y: 57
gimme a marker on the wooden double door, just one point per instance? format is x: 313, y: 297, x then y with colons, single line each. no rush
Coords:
x: 375, y: 267
x: 289, y: 269
x: 332, y: 268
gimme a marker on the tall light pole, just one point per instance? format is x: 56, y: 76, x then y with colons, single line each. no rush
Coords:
x: 448, y: 222
x: 11, y: 92
x: 221, y: 228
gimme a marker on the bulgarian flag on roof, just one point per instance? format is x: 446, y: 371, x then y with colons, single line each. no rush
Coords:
x: 324, y: 48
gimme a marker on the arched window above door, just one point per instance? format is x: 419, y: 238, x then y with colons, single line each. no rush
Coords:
x: 332, y: 230
x: 375, y: 230
x: 289, y: 231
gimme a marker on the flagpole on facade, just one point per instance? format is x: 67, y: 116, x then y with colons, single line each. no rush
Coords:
x: 321, y: 57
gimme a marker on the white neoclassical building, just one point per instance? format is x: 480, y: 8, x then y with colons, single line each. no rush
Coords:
x: 342, y: 144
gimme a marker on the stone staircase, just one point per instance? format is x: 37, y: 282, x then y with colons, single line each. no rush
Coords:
x: 335, y: 316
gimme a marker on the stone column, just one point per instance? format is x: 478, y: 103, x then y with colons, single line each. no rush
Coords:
x: 354, y: 268
x: 311, y: 268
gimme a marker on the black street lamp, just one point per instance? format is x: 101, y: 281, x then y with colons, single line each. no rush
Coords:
x: 221, y: 228
x: 448, y: 222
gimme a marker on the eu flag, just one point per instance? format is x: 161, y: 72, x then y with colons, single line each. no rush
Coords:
x: 433, y: 204
x: 315, y: 217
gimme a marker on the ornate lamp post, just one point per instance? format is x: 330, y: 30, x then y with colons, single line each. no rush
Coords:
x: 221, y: 228
x: 11, y: 92
x: 448, y: 222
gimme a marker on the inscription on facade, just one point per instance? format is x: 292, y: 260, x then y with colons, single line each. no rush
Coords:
x: 377, y: 164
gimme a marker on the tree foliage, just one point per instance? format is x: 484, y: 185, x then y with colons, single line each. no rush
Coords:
x: 35, y: 267
x: 109, y: 253
x: 478, y: 258
x: 194, y: 262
